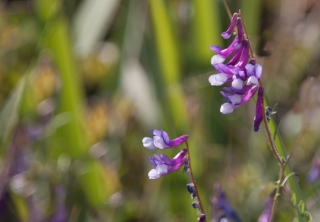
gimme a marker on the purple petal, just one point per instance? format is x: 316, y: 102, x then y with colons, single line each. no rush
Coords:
x: 229, y: 31
x: 266, y: 214
x: 259, y: 108
x: 249, y: 94
x: 235, y: 57
x: 153, y: 161
x: 202, y: 218
x: 244, y: 56
x: 242, y: 91
x: 222, y: 68
x: 178, y: 141
x: 179, y: 159
x: 228, y: 51
x: 217, y: 49
x: 240, y: 32
x: 165, y: 137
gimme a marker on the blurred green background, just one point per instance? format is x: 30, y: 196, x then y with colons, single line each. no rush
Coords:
x: 83, y: 81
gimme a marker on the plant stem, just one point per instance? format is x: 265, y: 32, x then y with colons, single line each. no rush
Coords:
x: 277, y: 194
x: 272, y: 144
x: 193, y: 180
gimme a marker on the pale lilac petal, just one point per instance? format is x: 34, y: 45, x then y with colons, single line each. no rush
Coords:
x: 218, y: 79
x: 226, y: 108
x: 249, y: 69
x: 258, y: 70
x: 235, y: 99
x: 217, y: 59
x: 153, y: 174
x: 237, y: 83
x: 147, y: 142
x: 159, y: 143
x: 156, y: 132
x: 162, y: 169
x: 252, y: 80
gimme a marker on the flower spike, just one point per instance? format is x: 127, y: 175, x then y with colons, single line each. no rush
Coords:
x: 243, y: 73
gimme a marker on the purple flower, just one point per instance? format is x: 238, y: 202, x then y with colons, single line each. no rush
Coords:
x: 163, y: 165
x: 242, y: 73
x: 236, y: 100
x: 314, y: 173
x: 259, y: 107
x: 265, y: 216
x: 221, y: 206
x: 161, y: 140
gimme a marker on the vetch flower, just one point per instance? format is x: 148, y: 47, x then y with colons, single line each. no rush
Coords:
x: 235, y: 99
x: 314, y: 172
x: 161, y: 140
x: 221, y: 206
x: 163, y: 165
x: 265, y: 216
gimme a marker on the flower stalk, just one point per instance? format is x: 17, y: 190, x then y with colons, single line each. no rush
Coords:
x: 193, y: 180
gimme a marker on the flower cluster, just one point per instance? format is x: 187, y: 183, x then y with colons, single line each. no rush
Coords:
x: 243, y: 73
x: 162, y: 163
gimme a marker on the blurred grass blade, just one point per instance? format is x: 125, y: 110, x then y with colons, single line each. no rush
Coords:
x: 170, y: 64
x: 10, y: 113
x: 251, y: 11
x: 69, y: 138
x: 94, y: 17
x: 206, y: 29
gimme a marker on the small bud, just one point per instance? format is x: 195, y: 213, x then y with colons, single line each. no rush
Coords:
x: 195, y: 205
x: 190, y: 188
x: 202, y: 218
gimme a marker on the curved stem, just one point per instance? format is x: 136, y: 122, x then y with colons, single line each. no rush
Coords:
x: 193, y: 180
x: 277, y: 194
x: 268, y: 131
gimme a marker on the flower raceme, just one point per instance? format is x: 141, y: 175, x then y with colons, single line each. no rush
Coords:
x: 161, y: 140
x: 243, y: 73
